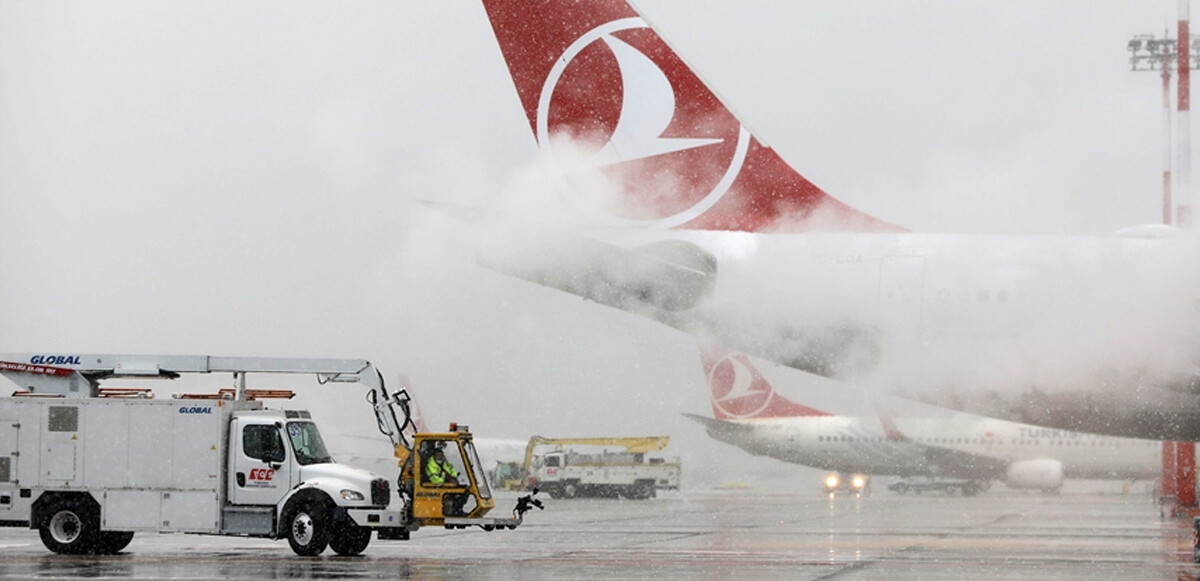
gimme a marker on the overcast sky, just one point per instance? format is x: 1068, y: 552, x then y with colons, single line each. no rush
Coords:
x: 235, y: 179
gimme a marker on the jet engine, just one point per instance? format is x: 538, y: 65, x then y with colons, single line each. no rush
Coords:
x: 1042, y: 474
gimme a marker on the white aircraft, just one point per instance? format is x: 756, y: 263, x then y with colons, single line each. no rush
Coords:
x: 668, y: 207
x: 969, y: 450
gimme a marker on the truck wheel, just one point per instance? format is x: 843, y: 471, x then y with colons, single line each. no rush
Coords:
x: 70, y: 528
x: 111, y: 542
x: 644, y: 491
x: 902, y: 489
x: 350, y: 540
x: 570, y: 490
x: 308, y: 527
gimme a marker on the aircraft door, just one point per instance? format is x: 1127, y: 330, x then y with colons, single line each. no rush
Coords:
x: 901, y: 293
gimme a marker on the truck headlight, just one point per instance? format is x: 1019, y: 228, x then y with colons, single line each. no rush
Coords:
x: 348, y: 494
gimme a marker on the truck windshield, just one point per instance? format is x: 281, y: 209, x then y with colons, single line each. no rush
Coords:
x: 307, y: 443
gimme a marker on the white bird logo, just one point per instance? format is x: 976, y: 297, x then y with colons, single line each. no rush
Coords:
x: 647, y: 109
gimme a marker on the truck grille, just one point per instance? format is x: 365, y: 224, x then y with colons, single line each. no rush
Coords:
x: 380, y: 493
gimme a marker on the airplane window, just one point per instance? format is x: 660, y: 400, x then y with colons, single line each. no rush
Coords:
x: 1002, y: 297
x: 983, y: 296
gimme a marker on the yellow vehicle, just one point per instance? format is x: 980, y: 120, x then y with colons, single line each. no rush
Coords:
x: 507, y: 476
x: 458, y: 502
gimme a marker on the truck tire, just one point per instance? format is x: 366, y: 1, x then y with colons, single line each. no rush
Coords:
x: 350, y: 540
x: 642, y: 491
x: 70, y: 527
x: 111, y: 542
x: 307, y: 525
x: 569, y: 490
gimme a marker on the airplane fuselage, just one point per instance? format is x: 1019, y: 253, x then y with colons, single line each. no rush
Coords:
x: 963, y: 448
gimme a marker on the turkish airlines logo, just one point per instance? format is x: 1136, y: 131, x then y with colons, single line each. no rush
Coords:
x: 623, y: 97
x: 738, y: 390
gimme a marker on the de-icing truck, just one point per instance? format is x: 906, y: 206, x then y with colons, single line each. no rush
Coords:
x: 88, y: 466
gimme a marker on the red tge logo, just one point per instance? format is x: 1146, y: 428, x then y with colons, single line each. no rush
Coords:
x: 262, y: 474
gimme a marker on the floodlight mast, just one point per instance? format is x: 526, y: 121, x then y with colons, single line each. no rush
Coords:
x: 1184, y: 49
x: 1165, y: 55
x: 1148, y: 53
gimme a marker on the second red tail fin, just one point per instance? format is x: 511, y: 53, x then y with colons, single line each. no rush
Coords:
x: 739, y: 391
x: 597, y: 81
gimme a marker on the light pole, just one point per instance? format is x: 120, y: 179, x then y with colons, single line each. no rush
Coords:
x: 1150, y: 53
x: 1147, y: 53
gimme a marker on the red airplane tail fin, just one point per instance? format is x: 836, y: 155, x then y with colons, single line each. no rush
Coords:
x: 739, y: 391
x: 600, y: 87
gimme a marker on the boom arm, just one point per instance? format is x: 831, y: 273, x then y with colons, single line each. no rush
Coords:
x: 79, y: 375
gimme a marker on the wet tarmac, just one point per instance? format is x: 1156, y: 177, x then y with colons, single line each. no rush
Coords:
x: 705, y: 535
